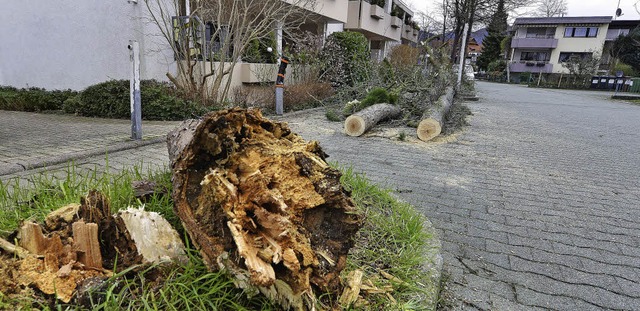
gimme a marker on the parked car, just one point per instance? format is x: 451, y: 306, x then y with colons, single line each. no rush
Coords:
x: 468, y: 71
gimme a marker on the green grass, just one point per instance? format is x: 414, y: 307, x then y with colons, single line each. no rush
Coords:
x: 393, y: 239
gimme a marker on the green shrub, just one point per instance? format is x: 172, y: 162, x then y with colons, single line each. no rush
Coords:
x: 377, y: 95
x: 71, y: 104
x: 33, y: 99
x: 111, y: 99
x: 333, y: 116
x: 108, y: 99
x: 345, y: 58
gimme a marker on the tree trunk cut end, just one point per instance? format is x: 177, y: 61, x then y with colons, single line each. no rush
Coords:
x: 262, y: 203
x: 354, y: 126
x: 428, y: 129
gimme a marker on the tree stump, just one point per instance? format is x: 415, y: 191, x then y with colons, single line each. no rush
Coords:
x: 433, y: 119
x: 261, y: 202
x: 363, y: 120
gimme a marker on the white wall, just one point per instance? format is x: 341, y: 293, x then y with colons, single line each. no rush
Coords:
x: 74, y: 43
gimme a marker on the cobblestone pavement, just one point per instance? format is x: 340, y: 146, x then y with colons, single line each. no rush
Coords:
x: 30, y: 140
x: 536, y: 203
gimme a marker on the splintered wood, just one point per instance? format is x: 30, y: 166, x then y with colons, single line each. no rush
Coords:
x: 261, y: 202
x: 80, y: 242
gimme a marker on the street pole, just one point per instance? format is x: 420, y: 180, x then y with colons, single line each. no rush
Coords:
x: 463, y: 49
x: 134, y: 90
x: 282, y: 69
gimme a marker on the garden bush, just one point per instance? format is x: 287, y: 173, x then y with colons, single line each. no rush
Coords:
x: 33, y: 99
x: 345, y: 58
x: 110, y: 99
x: 377, y: 95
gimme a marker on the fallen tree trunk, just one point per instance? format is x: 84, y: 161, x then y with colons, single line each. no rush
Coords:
x: 261, y: 202
x: 363, y: 120
x: 433, y: 119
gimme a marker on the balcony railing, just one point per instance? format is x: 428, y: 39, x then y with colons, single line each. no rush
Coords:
x: 543, y: 43
x: 526, y: 66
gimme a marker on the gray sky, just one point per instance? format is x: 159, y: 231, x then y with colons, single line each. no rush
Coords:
x: 576, y: 7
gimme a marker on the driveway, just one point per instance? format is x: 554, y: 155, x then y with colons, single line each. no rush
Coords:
x: 537, y: 202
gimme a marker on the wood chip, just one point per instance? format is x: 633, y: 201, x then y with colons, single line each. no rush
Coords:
x: 352, y: 290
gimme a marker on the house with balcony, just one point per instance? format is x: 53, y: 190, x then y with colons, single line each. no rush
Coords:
x: 384, y: 23
x: 75, y: 44
x: 541, y: 44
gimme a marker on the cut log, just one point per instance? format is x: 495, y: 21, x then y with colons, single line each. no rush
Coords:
x: 432, y: 120
x: 259, y: 201
x: 363, y: 120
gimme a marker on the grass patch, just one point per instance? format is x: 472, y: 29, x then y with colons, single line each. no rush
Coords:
x: 393, y: 240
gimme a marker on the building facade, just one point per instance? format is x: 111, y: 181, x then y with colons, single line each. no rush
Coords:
x: 384, y: 25
x: 540, y: 45
x: 74, y: 44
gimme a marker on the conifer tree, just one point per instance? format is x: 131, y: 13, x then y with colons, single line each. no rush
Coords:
x: 496, y: 33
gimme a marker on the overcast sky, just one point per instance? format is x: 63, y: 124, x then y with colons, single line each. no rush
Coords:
x: 576, y: 7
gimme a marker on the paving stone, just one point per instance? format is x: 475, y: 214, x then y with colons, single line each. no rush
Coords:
x: 539, y: 196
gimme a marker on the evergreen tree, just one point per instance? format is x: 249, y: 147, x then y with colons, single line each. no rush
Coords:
x: 491, y: 44
x: 627, y: 49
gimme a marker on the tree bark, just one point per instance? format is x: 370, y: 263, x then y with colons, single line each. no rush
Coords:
x: 261, y: 202
x: 361, y: 121
x: 433, y: 119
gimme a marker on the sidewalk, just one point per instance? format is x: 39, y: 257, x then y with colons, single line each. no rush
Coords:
x: 30, y: 140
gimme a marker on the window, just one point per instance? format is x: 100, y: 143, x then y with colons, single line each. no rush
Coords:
x: 565, y: 56
x: 581, y: 32
x: 540, y: 32
x: 535, y: 56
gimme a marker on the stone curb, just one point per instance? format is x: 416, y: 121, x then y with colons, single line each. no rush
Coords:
x: 58, y: 159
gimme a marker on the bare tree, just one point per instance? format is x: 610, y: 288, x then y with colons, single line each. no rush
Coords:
x: 473, y: 12
x: 210, y: 36
x: 551, y: 8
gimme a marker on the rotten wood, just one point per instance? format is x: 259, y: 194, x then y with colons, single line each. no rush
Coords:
x: 363, y: 120
x: 85, y: 240
x: 145, y: 189
x: 433, y: 119
x: 81, y: 239
x: 14, y: 249
x: 261, y: 202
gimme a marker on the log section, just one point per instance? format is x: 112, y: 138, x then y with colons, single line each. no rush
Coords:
x: 363, y: 120
x: 433, y: 119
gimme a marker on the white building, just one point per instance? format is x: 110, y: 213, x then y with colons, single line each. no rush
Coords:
x: 74, y: 44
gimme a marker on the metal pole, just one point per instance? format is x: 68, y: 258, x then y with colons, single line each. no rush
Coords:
x: 284, y: 61
x: 463, y: 49
x: 134, y: 86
